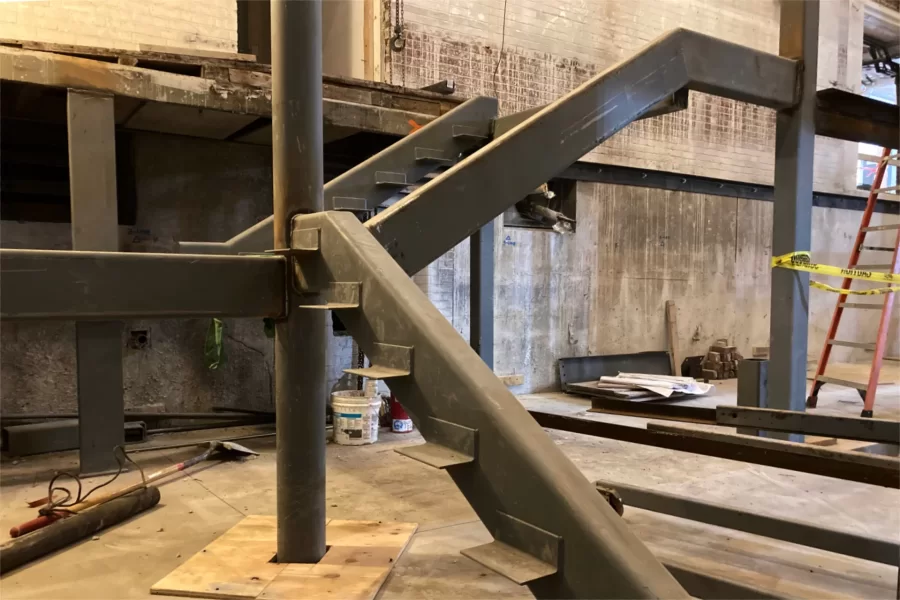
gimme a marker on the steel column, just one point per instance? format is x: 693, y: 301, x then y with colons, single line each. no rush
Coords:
x: 95, y: 226
x: 300, y: 342
x: 481, y: 293
x: 753, y: 376
x: 792, y: 221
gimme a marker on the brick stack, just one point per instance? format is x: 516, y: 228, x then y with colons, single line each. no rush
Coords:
x: 721, y: 362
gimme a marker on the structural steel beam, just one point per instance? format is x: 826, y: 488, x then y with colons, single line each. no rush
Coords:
x: 788, y: 530
x: 849, y: 428
x: 474, y: 191
x: 414, y: 155
x: 515, y: 471
x: 481, y: 293
x: 56, y: 284
x: 848, y: 116
x: 851, y: 466
x: 300, y: 343
x: 795, y: 138
x: 91, y: 127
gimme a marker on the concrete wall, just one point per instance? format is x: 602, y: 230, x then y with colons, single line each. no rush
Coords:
x: 188, y: 189
x: 198, y: 24
x: 603, y: 290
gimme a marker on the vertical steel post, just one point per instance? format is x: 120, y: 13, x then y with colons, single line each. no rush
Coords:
x: 792, y: 220
x: 300, y: 343
x: 95, y: 227
x: 481, y: 293
x: 753, y: 375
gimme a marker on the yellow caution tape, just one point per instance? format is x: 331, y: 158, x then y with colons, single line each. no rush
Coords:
x: 799, y: 261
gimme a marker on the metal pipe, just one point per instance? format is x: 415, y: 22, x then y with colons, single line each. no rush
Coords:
x: 300, y: 344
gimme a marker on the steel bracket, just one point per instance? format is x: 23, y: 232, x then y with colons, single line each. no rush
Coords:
x: 448, y: 444
x: 388, y: 361
x: 520, y: 551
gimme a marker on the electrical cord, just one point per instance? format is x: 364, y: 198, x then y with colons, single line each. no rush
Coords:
x: 502, y: 47
x: 61, y: 505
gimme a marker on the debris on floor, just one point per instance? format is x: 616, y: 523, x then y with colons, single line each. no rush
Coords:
x: 721, y: 362
x: 647, y: 386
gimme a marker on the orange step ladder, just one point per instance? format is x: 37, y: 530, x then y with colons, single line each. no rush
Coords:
x: 866, y: 390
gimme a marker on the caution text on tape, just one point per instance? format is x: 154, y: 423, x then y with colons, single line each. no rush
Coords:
x: 800, y: 261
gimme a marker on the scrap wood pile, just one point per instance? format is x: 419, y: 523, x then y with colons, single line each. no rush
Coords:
x: 721, y: 362
x: 641, y: 387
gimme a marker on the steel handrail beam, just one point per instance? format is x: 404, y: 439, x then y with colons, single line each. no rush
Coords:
x: 62, y: 284
x: 440, y: 214
x: 517, y: 469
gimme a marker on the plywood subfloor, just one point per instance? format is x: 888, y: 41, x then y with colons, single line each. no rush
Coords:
x: 239, y: 564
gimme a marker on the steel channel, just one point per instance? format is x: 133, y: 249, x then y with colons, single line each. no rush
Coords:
x: 61, y: 284
x: 788, y: 530
x: 795, y: 134
x: 753, y: 375
x: 481, y: 293
x: 300, y: 343
x: 850, y: 428
x: 795, y: 457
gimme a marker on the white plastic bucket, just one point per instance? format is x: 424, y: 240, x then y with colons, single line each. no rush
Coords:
x: 355, y: 417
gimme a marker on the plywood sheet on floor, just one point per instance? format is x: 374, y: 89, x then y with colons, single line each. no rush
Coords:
x: 361, y: 554
x: 859, y: 372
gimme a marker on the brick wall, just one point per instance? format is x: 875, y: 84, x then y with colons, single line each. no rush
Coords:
x: 200, y: 24
x: 550, y: 48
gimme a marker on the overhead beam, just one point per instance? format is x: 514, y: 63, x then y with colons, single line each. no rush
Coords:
x: 69, y: 285
x: 848, y: 116
x: 474, y: 191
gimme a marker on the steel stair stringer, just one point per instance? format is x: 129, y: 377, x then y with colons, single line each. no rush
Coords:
x: 517, y: 470
x: 434, y: 218
x: 439, y: 142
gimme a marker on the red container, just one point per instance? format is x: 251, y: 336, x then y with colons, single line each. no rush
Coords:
x: 400, y: 421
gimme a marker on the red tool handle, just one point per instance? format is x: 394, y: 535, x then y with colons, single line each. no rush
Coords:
x: 33, y: 525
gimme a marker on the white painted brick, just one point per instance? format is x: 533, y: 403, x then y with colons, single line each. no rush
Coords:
x: 201, y: 24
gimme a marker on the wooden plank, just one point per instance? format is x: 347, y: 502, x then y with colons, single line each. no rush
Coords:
x: 55, y: 70
x: 671, y: 326
x: 197, y: 52
x: 237, y: 565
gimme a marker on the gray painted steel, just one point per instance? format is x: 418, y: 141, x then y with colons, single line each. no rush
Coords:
x: 577, y: 369
x: 518, y: 470
x: 788, y: 530
x: 300, y: 342
x: 59, y: 435
x: 481, y: 293
x: 851, y: 428
x: 474, y: 191
x: 414, y: 156
x: 61, y: 284
x: 91, y: 129
x: 795, y: 136
x: 753, y: 376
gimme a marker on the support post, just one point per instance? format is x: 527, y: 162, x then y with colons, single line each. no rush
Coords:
x: 792, y: 220
x: 300, y: 343
x: 753, y: 376
x: 481, y: 293
x: 95, y: 227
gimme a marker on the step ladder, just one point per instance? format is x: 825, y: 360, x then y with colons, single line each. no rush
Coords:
x: 868, y: 389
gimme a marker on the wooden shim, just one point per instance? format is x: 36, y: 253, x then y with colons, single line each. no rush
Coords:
x: 236, y: 565
x: 672, y: 326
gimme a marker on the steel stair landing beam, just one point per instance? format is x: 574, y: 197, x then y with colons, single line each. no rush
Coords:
x: 443, y: 212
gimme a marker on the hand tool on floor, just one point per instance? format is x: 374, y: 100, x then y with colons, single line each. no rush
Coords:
x: 218, y: 449
x: 15, y: 553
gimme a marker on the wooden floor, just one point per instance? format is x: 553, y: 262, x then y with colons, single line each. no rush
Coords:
x: 375, y: 483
